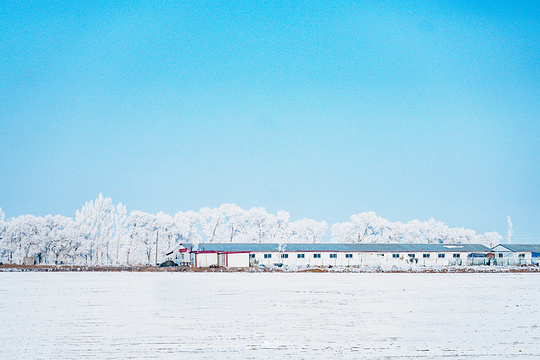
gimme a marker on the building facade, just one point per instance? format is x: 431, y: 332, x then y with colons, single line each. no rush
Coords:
x: 339, y: 255
x: 517, y: 254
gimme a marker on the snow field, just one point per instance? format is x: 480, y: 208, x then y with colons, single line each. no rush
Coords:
x: 268, y: 316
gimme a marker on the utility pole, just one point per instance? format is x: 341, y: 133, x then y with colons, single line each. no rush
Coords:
x: 157, y: 239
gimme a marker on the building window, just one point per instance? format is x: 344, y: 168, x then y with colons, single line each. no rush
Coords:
x: 333, y: 256
x: 412, y: 256
x: 317, y: 256
x: 380, y: 254
x: 300, y: 256
x: 441, y: 256
x: 252, y: 256
x: 521, y: 255
x: 425, y: 256
x: 267, y: 256
x: 395, y: 256
x: 284, y: 256
x: 348, y: 256
x: 457, y: 255
x: 500, y: 255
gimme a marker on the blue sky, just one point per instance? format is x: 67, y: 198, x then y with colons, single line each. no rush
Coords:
x: 323, y: 109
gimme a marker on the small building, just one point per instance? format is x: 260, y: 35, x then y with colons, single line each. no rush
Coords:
x: 517, y: 254
x: 214, y: 254
x: 29, y: 260
x: 183, y: 256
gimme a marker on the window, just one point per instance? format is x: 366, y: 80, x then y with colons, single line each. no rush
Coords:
x: 348, y: 256
x: 380, y: 254
x: 252, y: 256
x: 521, y: 255
x: 395, y: 256
x: 267, y: 256
x: 457, y: 255
x: 425, y: 256
x: 317, y: 256
x: 300, y: 256
x: 284, y: 256
x: 333, y: 256
x: 500, y: 255
x: 411, y: 256
x: 441, y: 256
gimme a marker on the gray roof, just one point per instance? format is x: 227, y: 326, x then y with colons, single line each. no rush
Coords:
x: 234, y: 247
x: 522, y: 247
x: 323, y: 247
x: 419, y: 247
x: 328, y: 247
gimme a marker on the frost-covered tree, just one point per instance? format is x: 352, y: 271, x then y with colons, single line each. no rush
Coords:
x: 364, y: 227
x: 490, y: 239
x: 367, y: 227
x: 429, y: 231
x: 120, y: 231
x: 213, y: 224
x: 344, y: 232
x: 510, y: 231
x: 259, y: 225
x: 461, y: 236
x: 101, y: 231
x: 168, y: 237
x: 234, y: 220
x: 434, y: 231
x: 60, y: 234
x: 279, y: 233
x: 143, y: 233
x: 25, y: 235
x: 307, y: 230
x: 33, y: 236
x: 187, y: 227
x: 95, y: 222
x: 11, y: 240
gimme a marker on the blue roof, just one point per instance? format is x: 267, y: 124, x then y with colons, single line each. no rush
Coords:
x: 338, y: 247
x: 522, y: 247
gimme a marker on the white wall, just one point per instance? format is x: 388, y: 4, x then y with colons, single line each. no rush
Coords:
x: 340, y: 259
x: 359, y: 259
x: 204, y: 259
x: 513, y: 258
x: 221, y: 259
x: 503, y: 256
x: 237, y: 260
x: 183, y: 258
x: 292, y: 259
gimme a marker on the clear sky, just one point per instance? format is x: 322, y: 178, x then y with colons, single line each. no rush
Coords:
x: 320, y: 108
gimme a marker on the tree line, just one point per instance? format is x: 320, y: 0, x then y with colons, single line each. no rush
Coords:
x: 103, y: 233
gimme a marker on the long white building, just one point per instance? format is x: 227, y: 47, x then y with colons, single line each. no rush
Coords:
x: 329, y: 254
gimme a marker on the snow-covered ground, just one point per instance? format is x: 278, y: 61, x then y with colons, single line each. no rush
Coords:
x: 268, y: 316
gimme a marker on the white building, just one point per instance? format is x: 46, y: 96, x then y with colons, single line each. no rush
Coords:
x: 329, y: 254
x: 183, y: 258
x: 517, y: 254
x: 215, y: 255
